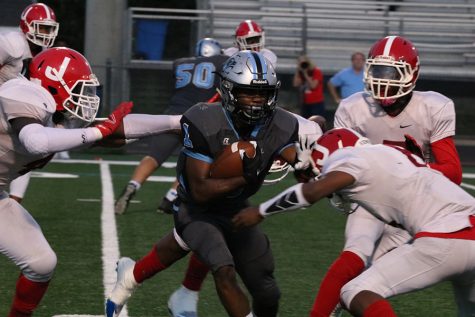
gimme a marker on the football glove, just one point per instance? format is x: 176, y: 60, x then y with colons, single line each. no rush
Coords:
x: 114, y: 120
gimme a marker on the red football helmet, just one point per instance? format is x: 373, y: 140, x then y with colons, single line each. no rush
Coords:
x: 38, y: 23
x: 66, y: 74
x: 333, y: 140
x: 391, y: 69
x: 249, y: 36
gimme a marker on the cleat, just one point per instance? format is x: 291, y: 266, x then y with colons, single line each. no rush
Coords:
x: 337, y: 312
x: 183, y: 303
x: 123, y: 201
x: 166, y: 206
x: 123, y: 289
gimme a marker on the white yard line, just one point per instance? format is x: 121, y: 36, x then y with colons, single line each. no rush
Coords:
x: 100, y: 161
x: 110, y: 242
x: 468, y: 175
x: 468, y: 186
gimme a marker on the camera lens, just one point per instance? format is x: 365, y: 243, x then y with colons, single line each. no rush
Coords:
x: 304, y: 65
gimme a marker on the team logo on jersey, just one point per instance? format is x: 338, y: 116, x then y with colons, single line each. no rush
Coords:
x: 226, y: 141
x: 57, y: 75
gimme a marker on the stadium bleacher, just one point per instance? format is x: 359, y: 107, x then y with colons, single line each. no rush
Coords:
x: 329, y: 31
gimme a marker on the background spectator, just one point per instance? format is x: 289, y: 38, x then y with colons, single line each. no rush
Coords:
x: 309, y: 79
x: 348, y: 80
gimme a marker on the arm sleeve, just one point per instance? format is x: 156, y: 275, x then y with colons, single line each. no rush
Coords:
x: 38, y: 139
x: 447, y: 160
x: 141, y: 125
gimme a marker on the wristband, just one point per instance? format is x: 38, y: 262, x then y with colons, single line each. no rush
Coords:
x: 290, y: 199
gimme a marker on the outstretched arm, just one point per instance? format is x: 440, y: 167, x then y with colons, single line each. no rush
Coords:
x: 295, y: 197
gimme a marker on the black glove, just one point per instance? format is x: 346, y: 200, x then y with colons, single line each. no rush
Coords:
x: 412, y: 146
x: 251, y: 167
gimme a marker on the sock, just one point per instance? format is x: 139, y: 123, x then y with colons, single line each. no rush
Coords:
x: 171, y: 194
x: 195, y: 274
x: 136, y: 184
x: 378, y: 309
x: 148, y: 266
x: 28, y: 295
x: 344, y: 269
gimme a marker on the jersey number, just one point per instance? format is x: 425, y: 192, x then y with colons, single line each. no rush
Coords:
x: 201, y: 75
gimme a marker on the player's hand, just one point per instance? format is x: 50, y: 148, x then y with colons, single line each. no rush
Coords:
x: 305, y: 161
x: 247, y: 218
x: 251, y: 166
x: 114, y: 120
x: 412, y: 146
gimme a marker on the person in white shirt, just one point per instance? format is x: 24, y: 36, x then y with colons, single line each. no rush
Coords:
x: 250, y: 36
x: 396, y: 187
x: 38, y: 30
x: 61, y: 88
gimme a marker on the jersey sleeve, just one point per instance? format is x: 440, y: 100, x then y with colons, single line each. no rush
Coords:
x: 443, y: 122
x: 194, y: 142
x: 294, y: 137
x: 18, y: 109
x: 344, y: 160
x: 342, y: 117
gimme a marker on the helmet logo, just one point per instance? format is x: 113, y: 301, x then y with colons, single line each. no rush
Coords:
x: 56, y: 75
x: 260, y: 81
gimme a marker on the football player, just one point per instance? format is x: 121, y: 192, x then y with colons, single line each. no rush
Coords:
x: 61, y: 89
x: 389, y: 112
x: 399, y: 189
x: 195, y: 81
x: 206, y: 205
x: 250, y: 36
x: 39, y: 29
x: 184, y: 301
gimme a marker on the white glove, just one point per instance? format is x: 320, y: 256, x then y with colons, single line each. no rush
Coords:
x: 304, y: 148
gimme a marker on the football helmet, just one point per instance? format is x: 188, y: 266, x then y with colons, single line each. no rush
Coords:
x: 38, y: 23
x: 208, y: 47
x: 333, y: 140
x: 66, y: 74
x: 248, y: 73
x: 279, y: 170
x: 249, y: 36
x: 391, y: 69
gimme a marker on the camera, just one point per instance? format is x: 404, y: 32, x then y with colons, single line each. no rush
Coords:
x: 304, y: 65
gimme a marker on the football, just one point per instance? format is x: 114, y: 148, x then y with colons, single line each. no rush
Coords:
x: 229, y: 161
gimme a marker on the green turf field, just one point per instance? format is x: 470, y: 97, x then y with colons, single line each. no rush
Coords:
x: 69, y: 212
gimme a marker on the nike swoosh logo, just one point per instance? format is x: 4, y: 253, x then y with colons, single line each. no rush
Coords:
x: 404, y: 126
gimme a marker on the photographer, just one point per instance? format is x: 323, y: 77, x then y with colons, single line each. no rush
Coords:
x: 309, y: 79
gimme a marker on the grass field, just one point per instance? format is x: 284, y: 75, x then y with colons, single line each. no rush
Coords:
x: 69, y: 211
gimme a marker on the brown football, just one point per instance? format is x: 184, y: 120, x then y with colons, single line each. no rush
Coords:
x: 229, y: 163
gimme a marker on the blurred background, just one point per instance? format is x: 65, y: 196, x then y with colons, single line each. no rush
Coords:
x: 131, y: 43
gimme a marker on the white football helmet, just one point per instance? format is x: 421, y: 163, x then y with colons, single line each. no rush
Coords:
x: 208, y: 47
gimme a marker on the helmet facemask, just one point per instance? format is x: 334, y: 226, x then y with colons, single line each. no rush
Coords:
x: 42, y: 32
x: 260, y: 103
x: 83, y: 101
x: 253, y: 42
x: 387, y: 80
